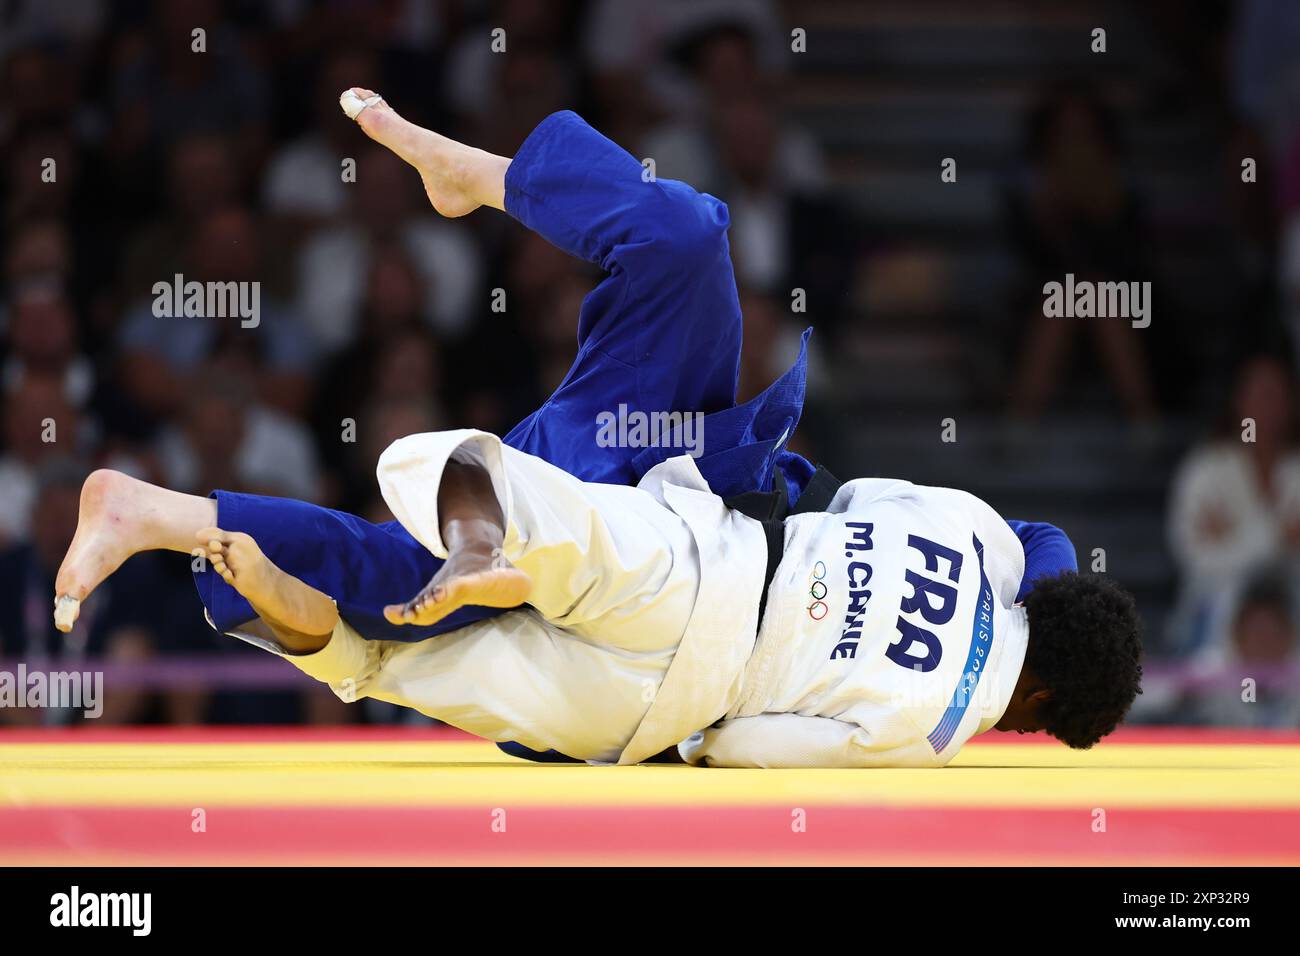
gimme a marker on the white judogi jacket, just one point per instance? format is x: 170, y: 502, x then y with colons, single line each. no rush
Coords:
x: 878, y: 616
x: 645, y: 602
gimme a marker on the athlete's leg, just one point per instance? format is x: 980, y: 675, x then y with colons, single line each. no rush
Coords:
x: 120, y: 516
x: 665, y: 246
x: 661, y: 333
x: 473, y: 528
x: 522, y: 678
x: 333, y: 553
x: 517, y: 677
x: 361, y: 565
x: 650, y: 233
x: 607, y: 562
x: 475, y: 572
x: 612, y: 573
x: 302, y: 617
x: 614, y: 567
x: 457, y: 178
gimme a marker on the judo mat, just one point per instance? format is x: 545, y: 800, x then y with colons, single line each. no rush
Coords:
x: 249, y: 796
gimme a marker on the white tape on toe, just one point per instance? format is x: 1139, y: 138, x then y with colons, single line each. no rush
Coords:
x: 66, y: 609
x: 353, y: 104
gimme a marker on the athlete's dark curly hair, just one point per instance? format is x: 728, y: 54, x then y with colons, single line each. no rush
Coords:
x: 1085, y: 645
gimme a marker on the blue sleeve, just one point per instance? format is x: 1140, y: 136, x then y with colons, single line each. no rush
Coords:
x: 1048, y: 552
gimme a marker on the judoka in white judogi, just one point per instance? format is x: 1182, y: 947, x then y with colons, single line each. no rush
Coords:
x: 890, y: 634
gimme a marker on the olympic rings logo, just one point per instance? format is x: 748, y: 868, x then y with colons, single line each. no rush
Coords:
x: 817, y: 590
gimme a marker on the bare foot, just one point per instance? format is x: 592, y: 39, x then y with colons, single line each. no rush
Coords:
x: 447, y: 167
x: 283, y: 601
x: 470, y: 576
x: 115, y: 520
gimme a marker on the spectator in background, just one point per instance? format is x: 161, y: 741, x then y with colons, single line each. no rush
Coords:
x: 771, y: 341
x: 734, y: 143
x: 72, y: 24
x: 1235, y: 504
x: 1264, y: 76
x: 534, y: 267
x: 722, y: 64
x: 409, y: 368
x: 40, y: 250
x: 636, y: 79
x: 1288, y: 266
x: 759, y: 190
x: 760, y: 354
x: 40, y: 425
x: 394, y: 303
x: 1262, y: 647
x: 164, y: 91
x: 1072, y: 212
x: 505, y: 342
x: 335, y: 263
x: 158, y: 354
x: 226, y: 439
x: 382, y: 423
x: 786, y: 232
x: 501, y: 98
x: 529, y: 86
x: 554, y: 328
x: 405, y: 373
x: 45, y: 239
x: 203, y: 177
x: 42, y: 341
x: 42, y: 175
x: 40, y: 87
x: 303, y: 185
x: 1253, y: 216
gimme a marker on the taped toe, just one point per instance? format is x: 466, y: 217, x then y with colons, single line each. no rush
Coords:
x: 353, y: 104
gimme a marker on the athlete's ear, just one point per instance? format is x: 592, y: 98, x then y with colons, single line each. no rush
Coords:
x: 1039, y: 697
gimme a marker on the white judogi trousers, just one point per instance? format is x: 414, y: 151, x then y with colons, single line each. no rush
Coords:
x: 615, y: 579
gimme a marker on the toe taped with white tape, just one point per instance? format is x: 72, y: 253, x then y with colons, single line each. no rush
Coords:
x: 353, y: 104
x: 66, y: 609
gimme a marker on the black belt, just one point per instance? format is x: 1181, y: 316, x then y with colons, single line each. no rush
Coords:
x: 771, y: 508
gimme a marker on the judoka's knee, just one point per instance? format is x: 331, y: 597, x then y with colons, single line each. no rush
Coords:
x: 694, y: 224
x: 413, y: 451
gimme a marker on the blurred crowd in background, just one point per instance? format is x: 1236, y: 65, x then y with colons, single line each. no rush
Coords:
x: 377, y: 319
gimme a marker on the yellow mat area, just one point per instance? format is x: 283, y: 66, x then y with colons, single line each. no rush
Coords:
x: 399, y: 772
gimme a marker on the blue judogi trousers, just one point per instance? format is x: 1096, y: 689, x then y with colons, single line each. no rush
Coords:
x: 660, y: 333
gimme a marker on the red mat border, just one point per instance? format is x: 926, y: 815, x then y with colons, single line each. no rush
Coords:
x: 648, y: 834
